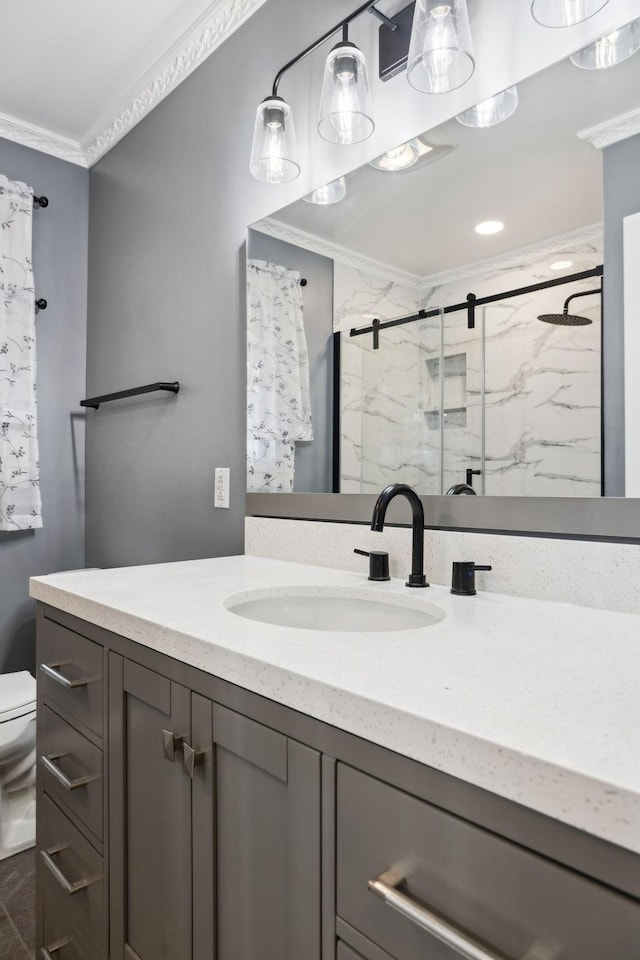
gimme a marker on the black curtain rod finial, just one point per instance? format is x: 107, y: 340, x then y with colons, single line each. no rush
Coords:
x: 41, y: 202
x: 41, y: 304
x: 303, y: 282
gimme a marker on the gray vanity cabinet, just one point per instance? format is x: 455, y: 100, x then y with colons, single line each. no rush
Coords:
x: 150, y: 815
x: 217, y: 825
x: 215, y: 828
x: 256, y: 796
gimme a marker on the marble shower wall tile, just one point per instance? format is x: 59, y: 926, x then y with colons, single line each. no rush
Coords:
x: 588, y: 573
x: 384, y: 433
x: 541, y: 398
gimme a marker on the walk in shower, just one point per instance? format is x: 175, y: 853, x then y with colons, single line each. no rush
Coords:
x: 478, y: 392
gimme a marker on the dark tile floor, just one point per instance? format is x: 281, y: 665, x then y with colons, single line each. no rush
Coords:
x: 17, y: 906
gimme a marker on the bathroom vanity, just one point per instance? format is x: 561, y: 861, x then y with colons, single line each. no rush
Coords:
x: 214, y: 786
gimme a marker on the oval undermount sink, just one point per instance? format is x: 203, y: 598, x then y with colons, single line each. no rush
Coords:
x: 334, y: 608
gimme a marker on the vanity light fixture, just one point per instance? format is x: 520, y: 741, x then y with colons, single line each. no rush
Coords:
x: 332, y: 192
x: 345, y: 108
x: 274, y: 154
x: 564, y: 13
x: 488, y: 227
x: 489, y: 112
x: 440, y: 50
x: 345, y: 105
x: 611, y: 49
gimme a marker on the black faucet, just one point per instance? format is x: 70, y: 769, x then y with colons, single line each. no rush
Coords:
x: 416, y: 577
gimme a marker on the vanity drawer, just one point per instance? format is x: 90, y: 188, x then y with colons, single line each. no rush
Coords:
x: 62, y: 939
x: 72, y: 871
x: 491, y: 890
x: 72, y: 770
x: 71, y: 668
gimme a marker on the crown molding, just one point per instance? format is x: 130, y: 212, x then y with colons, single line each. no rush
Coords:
x: 612, y: 131
x: 29, y: 135
x: 221, y: 19
x: 278, y: 230
x: 521, y: 257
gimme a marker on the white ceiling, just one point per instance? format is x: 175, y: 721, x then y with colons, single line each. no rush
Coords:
x: 534, y: 172
x: 76, y: 75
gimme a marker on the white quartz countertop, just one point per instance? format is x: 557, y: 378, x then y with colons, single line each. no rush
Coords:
x: 538, y: 702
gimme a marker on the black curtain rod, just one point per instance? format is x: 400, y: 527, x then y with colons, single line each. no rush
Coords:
x: 472, y: 302
x: 41, y: 202
x: 133, y: 392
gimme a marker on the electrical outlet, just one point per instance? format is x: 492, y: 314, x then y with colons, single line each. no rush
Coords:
x: 221, y: 495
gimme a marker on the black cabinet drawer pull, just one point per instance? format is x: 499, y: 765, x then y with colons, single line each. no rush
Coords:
x: 52, y: 670
x: 65, y: 883
x: 54, y: 770
x: 386, y: 886
x: 48, y: 952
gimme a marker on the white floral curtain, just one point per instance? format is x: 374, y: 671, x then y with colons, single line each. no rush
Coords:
x: 20, y: 504
x: 278, y: 401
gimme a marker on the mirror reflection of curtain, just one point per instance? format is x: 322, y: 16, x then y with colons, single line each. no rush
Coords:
x: 20, y: 503
x: 278, y: 400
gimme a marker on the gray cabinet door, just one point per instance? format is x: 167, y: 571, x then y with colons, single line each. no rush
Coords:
x: 259, y: 807
x: 150, y: 816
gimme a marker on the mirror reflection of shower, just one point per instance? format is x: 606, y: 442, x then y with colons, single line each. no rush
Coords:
x: 505, y: 399
x: 566, y: 319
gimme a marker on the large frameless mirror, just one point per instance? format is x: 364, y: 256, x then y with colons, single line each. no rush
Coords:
x: 436, y: 317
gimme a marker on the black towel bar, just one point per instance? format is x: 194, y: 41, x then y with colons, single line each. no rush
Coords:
x: 133, y: 392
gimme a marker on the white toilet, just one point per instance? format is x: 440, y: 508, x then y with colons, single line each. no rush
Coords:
x: 17, y: 762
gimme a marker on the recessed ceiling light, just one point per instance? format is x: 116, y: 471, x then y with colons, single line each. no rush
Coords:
x: 489, y: 226
x: 561, y: 265
x: 402, y: 157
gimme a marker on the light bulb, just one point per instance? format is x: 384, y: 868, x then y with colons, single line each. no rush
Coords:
x: 345, y: 105
x: 274, y: 151
x: 440, y: 51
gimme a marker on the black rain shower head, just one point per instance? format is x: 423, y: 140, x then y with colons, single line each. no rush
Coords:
x: 566, y: 319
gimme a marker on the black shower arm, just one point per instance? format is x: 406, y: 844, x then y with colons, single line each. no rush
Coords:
x: 583, y: 293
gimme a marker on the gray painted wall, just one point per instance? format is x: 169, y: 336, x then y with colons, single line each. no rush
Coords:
x: 170, y: 205
x: 60, y: 237
x: 621, y: 198
x: 313, y: 459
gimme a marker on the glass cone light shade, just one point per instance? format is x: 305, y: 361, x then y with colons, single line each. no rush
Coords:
x: 440, y: 50
x: 564, y: 13
x: 332, y: 192
x: 400, y: 158
x: 610, y: 50
x: 491, y: 111
x: 345, y: 106
x: 274, y: 154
